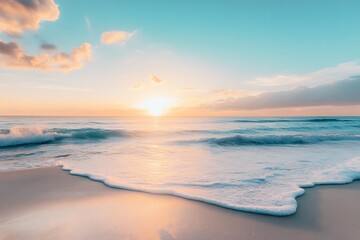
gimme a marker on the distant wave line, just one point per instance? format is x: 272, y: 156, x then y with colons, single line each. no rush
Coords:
x: 238, y: 140
x: 292, y: 120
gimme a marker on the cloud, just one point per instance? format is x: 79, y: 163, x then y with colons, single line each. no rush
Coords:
x: 48, y: 46
x: 138, y: 86
x: 115, y: 37
x: 190, y: 89
x: 339, y: 93
x: 12, y: 55
x: 61, y: 88
x: 17, y: 16
x: 330, y: 74
x: 88, y: 24
x: 231, y: 92
x: 156, y: 79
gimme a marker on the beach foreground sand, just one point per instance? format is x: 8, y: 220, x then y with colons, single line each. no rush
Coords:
x: 49, y: 203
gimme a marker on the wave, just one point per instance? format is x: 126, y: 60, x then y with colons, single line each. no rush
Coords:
x: 343, y: 173
x: 19, y: 135
x: 90, y: 133
x: 292, y: 120
x: 239, y: 140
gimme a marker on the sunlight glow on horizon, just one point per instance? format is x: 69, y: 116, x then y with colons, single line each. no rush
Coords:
x: 120, y: 59
x: 157, y: 107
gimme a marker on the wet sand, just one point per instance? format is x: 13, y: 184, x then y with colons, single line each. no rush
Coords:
x: 49, y: 203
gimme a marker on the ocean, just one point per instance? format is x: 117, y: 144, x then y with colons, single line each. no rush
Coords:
x: 256, y: 165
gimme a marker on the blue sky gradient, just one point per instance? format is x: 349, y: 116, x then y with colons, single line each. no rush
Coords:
x: 206, y: 46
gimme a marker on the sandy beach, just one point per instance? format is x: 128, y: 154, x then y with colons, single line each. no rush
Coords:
x: 187, y: 120
x: 49, y: 203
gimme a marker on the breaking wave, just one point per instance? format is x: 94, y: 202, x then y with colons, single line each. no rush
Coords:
x: 17, y: 135
x: 254, y: 167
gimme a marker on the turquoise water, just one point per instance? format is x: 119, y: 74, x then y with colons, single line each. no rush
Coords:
x: 251, y: 164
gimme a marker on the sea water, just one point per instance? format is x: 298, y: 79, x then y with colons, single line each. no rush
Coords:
x: 251, y: 164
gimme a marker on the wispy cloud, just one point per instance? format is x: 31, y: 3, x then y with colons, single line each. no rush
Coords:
x: 113, y: 37
x: 233, y: 92
x: 17, y: 16
x: 61, y: 88
x: 155, y: 79
x: 48, y: 46
x: 190, y: 89
x: 88, y: 24
x: 137, y: 86
x: 341, y: 71
x: 339, y: 93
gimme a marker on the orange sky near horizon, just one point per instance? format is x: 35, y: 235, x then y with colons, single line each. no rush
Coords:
x: 68, y: 58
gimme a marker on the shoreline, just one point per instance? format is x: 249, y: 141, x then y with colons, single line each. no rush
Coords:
x: 209, y: 202
x: 47, y: 194
x: 305, y: 188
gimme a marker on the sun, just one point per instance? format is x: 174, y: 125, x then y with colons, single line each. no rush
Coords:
x: 158, y: 106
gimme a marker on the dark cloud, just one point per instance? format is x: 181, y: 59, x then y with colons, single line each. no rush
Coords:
x: 48, y: 46
x: 17, y: 16
x: 8, y: 49
x: 29, y: 3
x: 12, y: 55
x: 345, y: 92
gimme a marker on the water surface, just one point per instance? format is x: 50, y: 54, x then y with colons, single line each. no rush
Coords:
x: 251, y: 164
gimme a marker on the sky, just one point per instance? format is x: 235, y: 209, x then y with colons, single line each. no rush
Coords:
x: 179, y: 58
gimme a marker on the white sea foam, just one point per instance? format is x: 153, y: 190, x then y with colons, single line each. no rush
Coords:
x: 342, y: 173
x: 25, y: 135
x: 277, y: 199
x: 256, y: 165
